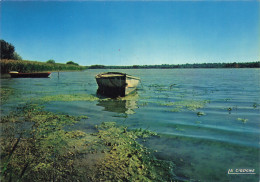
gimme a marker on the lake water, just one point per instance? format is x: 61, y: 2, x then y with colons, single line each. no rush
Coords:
x: 207, y: 119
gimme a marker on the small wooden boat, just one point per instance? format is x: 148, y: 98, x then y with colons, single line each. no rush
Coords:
x: 15, y: 74
x: 116, y: 84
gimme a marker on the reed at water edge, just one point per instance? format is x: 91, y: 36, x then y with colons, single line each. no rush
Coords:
x: 24, y: 66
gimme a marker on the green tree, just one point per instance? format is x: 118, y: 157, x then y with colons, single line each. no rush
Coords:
x: 7, y: 50
x: 51, y: 61
x: 97, y: 66
x: 71, y: 62
x: 17, y: 56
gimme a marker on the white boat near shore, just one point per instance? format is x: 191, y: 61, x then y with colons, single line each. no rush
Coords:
x: 116, y: 83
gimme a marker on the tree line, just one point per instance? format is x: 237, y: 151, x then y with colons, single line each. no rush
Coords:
x: 172, y: 66
x: 12, y: 61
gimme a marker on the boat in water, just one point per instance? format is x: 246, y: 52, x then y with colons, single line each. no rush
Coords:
x: 116, y: 84
x: 15, y: 74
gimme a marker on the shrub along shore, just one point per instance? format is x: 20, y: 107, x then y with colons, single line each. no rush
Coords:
x: 23, y: 66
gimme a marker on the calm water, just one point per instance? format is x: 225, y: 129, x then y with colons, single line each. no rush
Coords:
x: 208, y: 119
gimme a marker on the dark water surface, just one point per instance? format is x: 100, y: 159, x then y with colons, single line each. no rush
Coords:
x: 208, y: 119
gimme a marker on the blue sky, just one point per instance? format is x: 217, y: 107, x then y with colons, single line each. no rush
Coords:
x: 137, y: 32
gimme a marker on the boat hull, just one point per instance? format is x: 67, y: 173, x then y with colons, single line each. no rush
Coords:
x: 30, y: 75
x: 116, y: 84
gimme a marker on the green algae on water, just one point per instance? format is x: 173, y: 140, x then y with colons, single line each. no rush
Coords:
x: 47, y: 149
x: 255, y: 105
x: 5, y: 93
x: 191, y: 105
x: 52, y: 153
x: 176, y: 109
x: 242, y: 120
x: 126, y: 159
x: 200, y: 114
x: 69, y: 97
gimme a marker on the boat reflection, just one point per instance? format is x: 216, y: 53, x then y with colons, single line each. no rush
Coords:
x: 126, y: 105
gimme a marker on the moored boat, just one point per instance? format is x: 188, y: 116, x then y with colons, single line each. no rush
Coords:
x: 116, y: 83
x: 15, y: 74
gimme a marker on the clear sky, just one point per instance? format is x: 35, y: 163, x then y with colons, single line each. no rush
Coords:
x: 133, y: 32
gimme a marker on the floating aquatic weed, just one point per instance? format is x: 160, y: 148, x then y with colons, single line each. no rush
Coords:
x: 177, y: 109
x: 200, y: 114
x: 5, y: 93
x: 69, y: 97
x: 179, y: 129
x: 51, y: 153
x: 122, y: 115
x: 142, y: 104
x: 191, y: 105
x: 156, y: 85
x: 162, y: 89
x: 144, y: 133
x: 255, y: 105
x: 38, y: 84
x: 181, y: 95
x: 242, y: 119
x: 229, y: 109
x: 126, y: 159
x: 159, y: 88
x: 194, y: 105
x: 47, y: 149
x: 172, y: 85
x: 167, y: 103
x: 174, y: 89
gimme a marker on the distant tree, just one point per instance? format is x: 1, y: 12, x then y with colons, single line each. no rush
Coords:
x: 51, y: 61
x: 7, y: 50
x: 17, y: 56
x: 71, y: 62
x: 97, y: 66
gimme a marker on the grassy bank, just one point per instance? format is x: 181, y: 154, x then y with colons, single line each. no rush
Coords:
x: 34, y: 66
